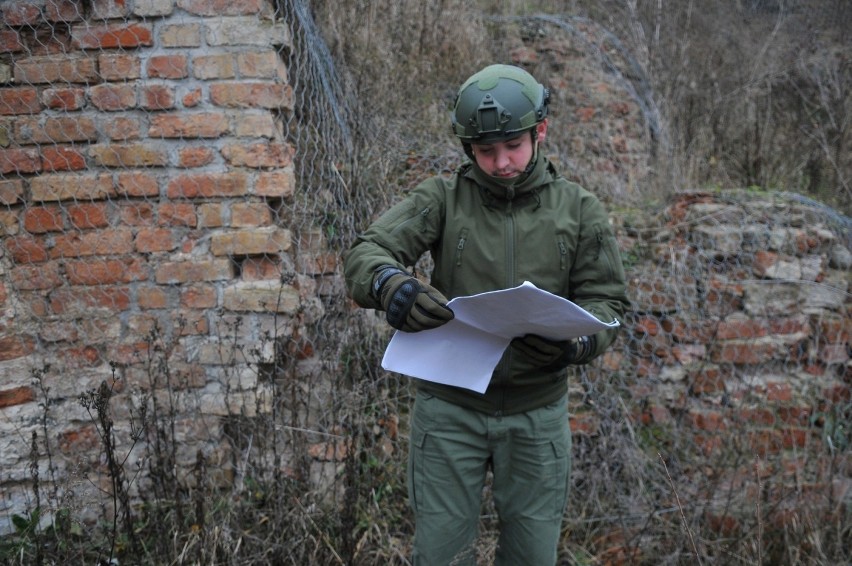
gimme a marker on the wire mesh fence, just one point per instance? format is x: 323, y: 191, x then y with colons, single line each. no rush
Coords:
x: 184, y: 379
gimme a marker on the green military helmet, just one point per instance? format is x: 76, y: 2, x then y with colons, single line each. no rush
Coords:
x: 498, y: 103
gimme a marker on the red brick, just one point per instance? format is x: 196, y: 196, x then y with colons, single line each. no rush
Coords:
x: 63, y: 11
x: 837, y: 394
x: 259, y: 241
x: 315, y: 264
x: 16, y: 395
x: 250, y: 214
x: 19, y: 161
x: 40, y: 219
x: 121, y: 128
x: 709, y: 421
x: 743, y: 328
x: 584, y: 423
x: 251, y: 95
x: 765, y: 442
x: 55, y: 130
x: 210, y: 215
x: 14, y: 347
x: 170, y: 273
x: 757, y: 417
x: 744, y: 353
x: 219, y: 66
x: 191, y: 323
x: 207, y: 185
x: 198, y: 296
x: 36, y: 303
x: 790, y: 325
x: 10, y: 41
x: 19, y: 13
x: 181, y: 35
x: 106, y: 271
x: 100, y: 242
x: 261, y: 65
x: 192, y: 98
x: 167, y: 67
x: 113, y: 97
x: 26, y: 249
x: 779, y: 392
x: 119, y: 66
x: 222, y: 7
x: 110, y: 9
x: 129, y: 155
x: 129, y: 354
x: 80, y: 357
x: 646, y: 325
x: 277, y: 184
x: 63, y: 98
x: 35, y: 277
x: 111, y: 36
x: 155, y: 240
x: 195, y: 156
x: 176, y: 214
x: 152, y: 297
x: 157, y: 97
x: 708, y: 380
x: 71, y: 187
x: 137, y: 184
x: 79, y: 440
x: 79, y: 300
x: 799, y: 416
x: 62, y: 158
x: 206, y: 125
x: 56, y: 69
x: 11, y: 191
x: 88, y: 216
x: 259, y: 269
x: 137, y: 214
x: 260, y: 155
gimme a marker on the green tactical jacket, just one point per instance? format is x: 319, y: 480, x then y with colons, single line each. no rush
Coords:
x: 484, y: 236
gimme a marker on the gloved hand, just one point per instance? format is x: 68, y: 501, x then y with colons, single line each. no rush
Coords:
x: 410, y: 305
x: 555, y: 353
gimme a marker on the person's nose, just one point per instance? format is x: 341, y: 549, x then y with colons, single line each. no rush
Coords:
x: 501, y: 160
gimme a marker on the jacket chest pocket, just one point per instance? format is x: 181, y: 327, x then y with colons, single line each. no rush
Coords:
x: 460, y: 244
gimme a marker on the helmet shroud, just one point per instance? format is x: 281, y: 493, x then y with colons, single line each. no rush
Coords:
x: 497, y: 104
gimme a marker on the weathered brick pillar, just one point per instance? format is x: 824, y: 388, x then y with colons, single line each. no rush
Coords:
x: 143, y: 171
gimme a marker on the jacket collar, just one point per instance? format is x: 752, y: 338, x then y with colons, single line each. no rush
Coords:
x: 510, y: 189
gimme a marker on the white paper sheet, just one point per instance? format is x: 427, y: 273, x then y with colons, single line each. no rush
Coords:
x: 465, y: 351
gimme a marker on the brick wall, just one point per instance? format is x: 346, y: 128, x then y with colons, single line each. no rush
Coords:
x: 143, y: 174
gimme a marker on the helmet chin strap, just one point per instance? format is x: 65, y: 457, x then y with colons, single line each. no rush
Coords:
x: 531, y: 165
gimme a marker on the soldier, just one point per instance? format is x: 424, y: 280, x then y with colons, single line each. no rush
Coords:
x: 503, y: 218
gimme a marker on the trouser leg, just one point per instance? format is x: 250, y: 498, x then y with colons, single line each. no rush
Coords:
x: 446, y: 472
x: 531, y: 473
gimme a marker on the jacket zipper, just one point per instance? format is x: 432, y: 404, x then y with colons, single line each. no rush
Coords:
x: 422, y: 215
x: 460, y: 246
x: 599, y: 236
x: 563, y: 255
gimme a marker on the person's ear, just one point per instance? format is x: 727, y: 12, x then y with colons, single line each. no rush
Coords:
x: 541, y: 131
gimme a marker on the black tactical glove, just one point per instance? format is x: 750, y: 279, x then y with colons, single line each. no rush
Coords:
x: 410, y: 305
x: 555, y: 354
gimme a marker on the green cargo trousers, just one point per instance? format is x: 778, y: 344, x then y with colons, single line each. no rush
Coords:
x: 452, y: 449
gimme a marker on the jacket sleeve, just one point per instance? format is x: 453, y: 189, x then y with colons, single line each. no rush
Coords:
x: 398, y: 238
x: 597, y: 275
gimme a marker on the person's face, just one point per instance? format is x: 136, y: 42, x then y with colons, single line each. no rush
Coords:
x: 508, y: 159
